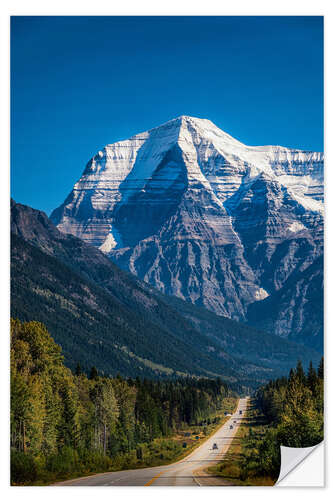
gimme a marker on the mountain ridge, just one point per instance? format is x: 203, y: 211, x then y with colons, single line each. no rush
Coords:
x: 197, y: 214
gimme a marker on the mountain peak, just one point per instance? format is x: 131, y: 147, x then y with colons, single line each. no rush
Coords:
x: 197, y: 214
x: 185, y: 130
x: 176, y: 124
x: 194, y: 121
x: 182, y: 119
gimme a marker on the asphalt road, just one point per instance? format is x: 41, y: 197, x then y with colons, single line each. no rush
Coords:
x: 187, y: 472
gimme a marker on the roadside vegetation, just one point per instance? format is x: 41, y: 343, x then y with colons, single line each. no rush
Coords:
x: 66, y: 425
x: 286, y: 411
x: 235, y: 468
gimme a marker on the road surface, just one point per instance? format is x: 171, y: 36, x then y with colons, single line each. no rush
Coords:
x: 187, y: 472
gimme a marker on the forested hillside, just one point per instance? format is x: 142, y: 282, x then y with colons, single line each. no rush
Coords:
x: 95, y: 328
x: 65, y: 424
x: 102, y: 316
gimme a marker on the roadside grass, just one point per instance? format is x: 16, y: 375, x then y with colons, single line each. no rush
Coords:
x: 160, y: 451
x: 236, y: 467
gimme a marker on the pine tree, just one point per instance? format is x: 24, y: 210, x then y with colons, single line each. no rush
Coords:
x: 93, y: 373
x: 321, y: 369
x: 78, y: 370
x: 312, y: 378
x: 300, y: 373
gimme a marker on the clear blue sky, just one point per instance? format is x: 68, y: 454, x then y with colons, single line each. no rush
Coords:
x: 78, y: 83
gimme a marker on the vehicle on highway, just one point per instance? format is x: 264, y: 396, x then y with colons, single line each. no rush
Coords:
x: 231, y: 427
x: 240, y: 412
x: 215, y: 447
x: 235, y: 421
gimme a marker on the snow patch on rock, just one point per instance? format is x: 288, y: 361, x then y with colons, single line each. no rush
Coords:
x: 295, y: 227
x: 261, y: 294
x: 111, y: 242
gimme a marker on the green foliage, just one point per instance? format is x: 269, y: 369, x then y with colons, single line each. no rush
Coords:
x: 78, y: 369
x: 63, y: 462
x: 23, y: 469
x: 93, y: 373
x: 293, y: 408
x: 263, y: 457
x: 139, y: 453
x: 64, y: 425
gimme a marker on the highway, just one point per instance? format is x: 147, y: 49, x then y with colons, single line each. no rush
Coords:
x: 187, y: 472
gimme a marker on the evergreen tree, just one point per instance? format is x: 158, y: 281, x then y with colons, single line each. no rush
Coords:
x: 321, y: 369
x: 300, y: 373
x: 93, y: 373
x: 312, y: 378
x: 78, y: 370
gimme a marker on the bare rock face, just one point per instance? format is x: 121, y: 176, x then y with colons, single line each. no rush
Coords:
x: 296, y: 309
x: 198, y: 214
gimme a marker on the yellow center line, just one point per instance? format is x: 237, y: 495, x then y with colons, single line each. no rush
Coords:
x: 154, y: 478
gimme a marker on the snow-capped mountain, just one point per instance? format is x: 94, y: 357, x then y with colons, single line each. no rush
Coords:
x: 196, y: 213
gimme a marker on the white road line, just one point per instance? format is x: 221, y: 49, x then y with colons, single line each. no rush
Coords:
x: 116, y: 480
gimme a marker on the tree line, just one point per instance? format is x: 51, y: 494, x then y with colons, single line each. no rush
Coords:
x: 293, y: 408
x: 70, y: 423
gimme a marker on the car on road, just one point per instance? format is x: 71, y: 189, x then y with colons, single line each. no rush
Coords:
x: 231, y: 427
x: 240, y: 412
x: 235, y: 421
x: 215, y: 447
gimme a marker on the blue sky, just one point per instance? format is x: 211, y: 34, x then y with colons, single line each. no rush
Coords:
x: 78, y: 83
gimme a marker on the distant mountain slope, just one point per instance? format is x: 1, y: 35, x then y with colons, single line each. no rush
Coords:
x: 103, y: 316
x: 297, y: 308
x: 201, y: 216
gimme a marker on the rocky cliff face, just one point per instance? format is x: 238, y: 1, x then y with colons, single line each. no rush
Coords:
x: 296, y: 309
x: 198, y: 214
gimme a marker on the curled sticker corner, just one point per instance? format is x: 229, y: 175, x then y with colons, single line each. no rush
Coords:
x: 291, y: 458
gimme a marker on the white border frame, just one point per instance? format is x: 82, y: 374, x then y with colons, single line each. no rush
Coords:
x: 145, y: 7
